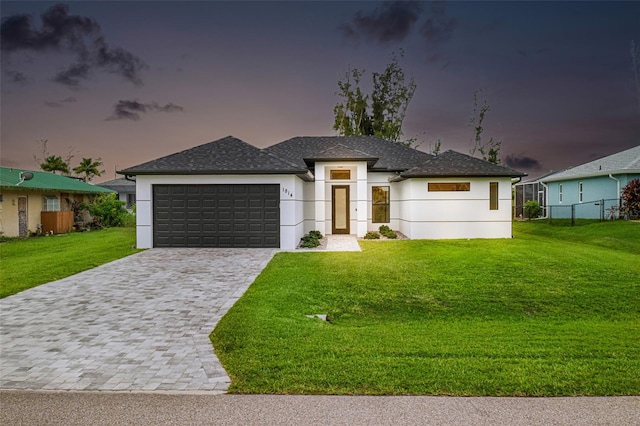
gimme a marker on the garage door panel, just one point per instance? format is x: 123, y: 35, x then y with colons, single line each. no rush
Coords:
x: 241, y: 227
x: 216, y: 215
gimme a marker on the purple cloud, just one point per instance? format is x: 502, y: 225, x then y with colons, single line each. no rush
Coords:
x: 79, y: 35
x: 131, y: 110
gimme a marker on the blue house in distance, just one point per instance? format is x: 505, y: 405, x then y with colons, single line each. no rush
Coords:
x: 592, y: 190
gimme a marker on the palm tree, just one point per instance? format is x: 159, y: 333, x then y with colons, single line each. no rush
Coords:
x: 89, y: 168
x: 54, y: 163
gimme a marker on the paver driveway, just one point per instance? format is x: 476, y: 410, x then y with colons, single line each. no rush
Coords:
x: 139, y: 323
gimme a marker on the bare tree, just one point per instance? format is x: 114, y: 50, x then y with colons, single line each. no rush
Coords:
x: 489, y: 150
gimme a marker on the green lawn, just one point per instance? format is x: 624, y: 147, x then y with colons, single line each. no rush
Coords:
x: 554, y: 311
x: 34, y: 261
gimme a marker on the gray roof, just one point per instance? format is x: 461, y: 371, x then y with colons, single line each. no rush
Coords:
x: 624, y: 162
x: 297, y: 155
x: 120, y: 185
x: 389, y: 155
x: 225, y: 156
x: 452, y: 163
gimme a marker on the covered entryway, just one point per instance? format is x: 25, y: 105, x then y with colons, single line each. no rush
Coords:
x: 231, y: 215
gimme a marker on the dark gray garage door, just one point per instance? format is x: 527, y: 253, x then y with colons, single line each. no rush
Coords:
x: 216, y: 216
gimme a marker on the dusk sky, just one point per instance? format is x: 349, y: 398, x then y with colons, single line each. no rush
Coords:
x: 133, y: 81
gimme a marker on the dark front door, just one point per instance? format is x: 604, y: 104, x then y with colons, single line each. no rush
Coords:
x: 340, y: 209
x: 22, y: 217
x: 216, y: 216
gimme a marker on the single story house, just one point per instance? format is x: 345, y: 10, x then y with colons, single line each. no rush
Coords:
x: 126, y: 190
x: 593, y: 189
x: 32, y: 201
x: 228, y: 193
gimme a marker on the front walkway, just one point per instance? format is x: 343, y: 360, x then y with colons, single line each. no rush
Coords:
x: 140, y: 323
x: 337, y: 242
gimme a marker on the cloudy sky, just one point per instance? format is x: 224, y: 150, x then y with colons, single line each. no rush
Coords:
x: 133, y: 81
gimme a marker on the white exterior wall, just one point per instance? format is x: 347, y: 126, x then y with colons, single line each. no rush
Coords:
x: 291, y: 202
x: 309, y: 206
x: 456, y: 214
x: 306, y: 206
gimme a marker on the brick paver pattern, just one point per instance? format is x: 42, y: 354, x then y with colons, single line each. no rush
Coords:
x: 141, y: 323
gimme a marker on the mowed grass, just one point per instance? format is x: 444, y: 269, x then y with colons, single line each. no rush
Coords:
x: 554, y: 311
x: 27, y: 263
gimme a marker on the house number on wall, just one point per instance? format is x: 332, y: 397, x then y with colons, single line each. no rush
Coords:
x: 286, y: 191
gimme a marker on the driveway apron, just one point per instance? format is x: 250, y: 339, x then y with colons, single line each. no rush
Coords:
x: 141, y: 323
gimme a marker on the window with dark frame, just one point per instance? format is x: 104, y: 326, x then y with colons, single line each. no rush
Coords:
x: 449, y: 186
x: 340, y: 174
x: 493, y: 195
x: 380, y: 204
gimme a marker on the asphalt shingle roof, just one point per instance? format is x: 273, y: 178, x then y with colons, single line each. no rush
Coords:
x: 295, y: 156
x: 627, y: 161
x: 226, y: 155
x: 119, y: 185
x: 10, y: 179
x: 452, y: 163
x: 391, y: 156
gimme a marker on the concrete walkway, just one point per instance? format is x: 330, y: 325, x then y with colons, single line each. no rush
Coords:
x: 140, y: 323
x: 342, y: 243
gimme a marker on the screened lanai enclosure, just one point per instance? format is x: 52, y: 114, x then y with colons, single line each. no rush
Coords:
x: 529, y: 191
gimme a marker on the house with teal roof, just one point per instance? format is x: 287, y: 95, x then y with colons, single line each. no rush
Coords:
x: 32, y: 201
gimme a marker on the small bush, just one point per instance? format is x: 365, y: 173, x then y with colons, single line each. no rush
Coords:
x: 532, y: 209
x: 311, y: 240
x: 388, y: 232
x: 315, y: 234
x: 392, y: 235
x: 108, y: 210
x: 631, y: 198
x: 372, y: 235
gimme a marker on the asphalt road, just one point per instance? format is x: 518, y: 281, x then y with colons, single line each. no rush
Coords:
x: 31, y: 408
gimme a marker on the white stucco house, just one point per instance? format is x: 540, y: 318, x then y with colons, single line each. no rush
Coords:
x: 228, y: 193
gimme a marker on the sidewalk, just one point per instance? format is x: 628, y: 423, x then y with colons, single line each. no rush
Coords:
x: 108, y: 408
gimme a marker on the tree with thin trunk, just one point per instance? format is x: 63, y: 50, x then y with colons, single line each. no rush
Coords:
x: 88, y: 169
x: 55, y: 163
x: 382, y: 112
x: 489, y: 150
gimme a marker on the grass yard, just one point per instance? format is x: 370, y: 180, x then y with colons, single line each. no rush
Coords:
x: 34, y: 261
x: 554, y: 311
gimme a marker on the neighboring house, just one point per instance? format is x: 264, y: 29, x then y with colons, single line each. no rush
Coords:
x: 228, y: 193
x: 126, y: 190
x: 592, y: 190
x: 33, y: 201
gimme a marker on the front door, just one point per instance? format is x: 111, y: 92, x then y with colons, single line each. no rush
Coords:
x: 22, y: 216
x: 340, y: 209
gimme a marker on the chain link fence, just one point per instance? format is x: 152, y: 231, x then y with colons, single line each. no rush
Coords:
x: 583, y: 213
